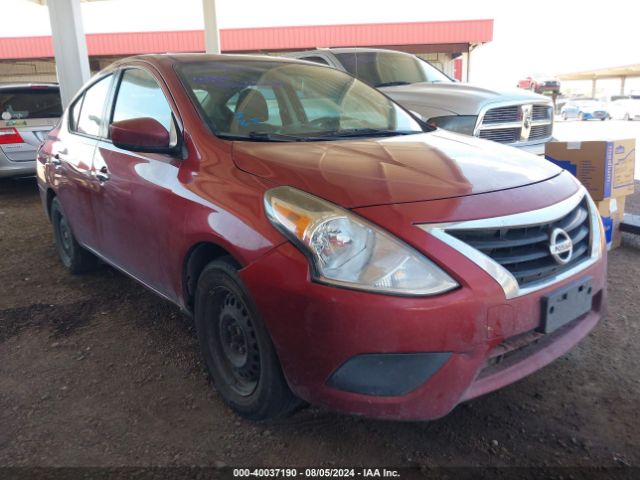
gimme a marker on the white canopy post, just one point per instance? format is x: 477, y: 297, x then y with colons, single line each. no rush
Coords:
x: 211, y: 32
x: 69, y: 47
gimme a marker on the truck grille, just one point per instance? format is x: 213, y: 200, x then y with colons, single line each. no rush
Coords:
x: 502, y: 115
x: 515, y: 124
x: 524, y: 251
x: 540, y: 131
x: 541, y: 112
x: 501, y: 135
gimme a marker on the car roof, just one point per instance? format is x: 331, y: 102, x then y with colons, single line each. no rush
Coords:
x: 11, y: 86
x: 165, y: 58
x: 351, y: 50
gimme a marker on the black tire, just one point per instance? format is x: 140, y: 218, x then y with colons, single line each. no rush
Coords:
x: 236, y: 347
x: 627, y: 116
x: 75, y: 258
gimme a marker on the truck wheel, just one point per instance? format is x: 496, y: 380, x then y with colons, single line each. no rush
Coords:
x: 237, y: 348
x: 75, y: 258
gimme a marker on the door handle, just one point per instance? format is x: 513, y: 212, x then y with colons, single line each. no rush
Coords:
x: 102, y: 175
x: 59, y: 156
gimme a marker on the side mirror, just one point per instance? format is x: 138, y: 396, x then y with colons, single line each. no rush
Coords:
x: 142, y: 135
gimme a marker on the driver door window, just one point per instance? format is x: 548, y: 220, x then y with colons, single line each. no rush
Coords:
x: 140, y: 96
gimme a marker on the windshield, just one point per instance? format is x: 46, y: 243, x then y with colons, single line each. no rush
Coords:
x: 284, y: 101
x: 384, y: 69
x: 32, y: 102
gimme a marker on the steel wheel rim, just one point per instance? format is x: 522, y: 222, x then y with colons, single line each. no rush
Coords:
x: 65, y: 237
x: 233, y: 342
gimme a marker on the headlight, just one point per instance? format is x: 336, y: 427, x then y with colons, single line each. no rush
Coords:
x: 456, y: 123
x: 346, y: 250
x: 598, y: 243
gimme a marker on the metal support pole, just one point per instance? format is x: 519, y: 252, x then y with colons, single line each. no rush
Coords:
x: 69, y: 47
x: 593, y: 87
x: 622, y: 82
x: 211, y: 32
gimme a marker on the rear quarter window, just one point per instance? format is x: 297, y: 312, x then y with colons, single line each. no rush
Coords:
x: 33, y: 102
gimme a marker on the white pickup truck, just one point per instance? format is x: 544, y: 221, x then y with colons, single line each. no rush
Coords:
x: 518, y: 118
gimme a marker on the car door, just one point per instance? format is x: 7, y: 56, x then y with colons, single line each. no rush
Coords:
x: 132, y: 199
x: 72, y: 157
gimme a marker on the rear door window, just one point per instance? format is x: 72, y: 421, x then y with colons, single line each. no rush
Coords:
x: 91, y: 118
x: 31, y: 102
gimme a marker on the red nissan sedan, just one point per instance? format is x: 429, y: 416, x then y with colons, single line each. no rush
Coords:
x: 330, y: 247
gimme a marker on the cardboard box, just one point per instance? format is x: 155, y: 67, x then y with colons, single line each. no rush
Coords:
x: 605, y: 167
x: 612, y: 210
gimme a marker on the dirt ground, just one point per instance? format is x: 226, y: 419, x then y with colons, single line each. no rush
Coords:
x: 97, y: 371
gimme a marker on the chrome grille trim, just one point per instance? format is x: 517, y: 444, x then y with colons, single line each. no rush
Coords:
x: 515, y: 123
x: 524, y: 251
x: 549, y: 214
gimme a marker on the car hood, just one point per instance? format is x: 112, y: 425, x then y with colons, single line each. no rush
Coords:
x: 457, y: 98
x: 366, y: 172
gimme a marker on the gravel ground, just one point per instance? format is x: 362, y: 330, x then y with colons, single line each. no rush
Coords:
x: 96, y: 371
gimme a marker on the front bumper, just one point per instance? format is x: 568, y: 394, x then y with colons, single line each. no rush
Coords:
x: 536, y: 149
x: 317, y: 329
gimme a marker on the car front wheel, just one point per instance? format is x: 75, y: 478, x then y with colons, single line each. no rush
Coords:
x: 236, y: 347
x: 75, y: 258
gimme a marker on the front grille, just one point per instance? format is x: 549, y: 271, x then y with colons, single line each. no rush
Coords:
x: 540, y: 131
x: 501, y: 135
x: 541, y: 112
x: 504, y: 124
x: 524, y: 251
x: 502, y: 115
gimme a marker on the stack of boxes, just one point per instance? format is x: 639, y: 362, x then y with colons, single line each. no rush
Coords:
x: 606, y: 168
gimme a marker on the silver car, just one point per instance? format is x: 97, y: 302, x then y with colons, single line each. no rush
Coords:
x: 27, y: 113
x: 518, y: 118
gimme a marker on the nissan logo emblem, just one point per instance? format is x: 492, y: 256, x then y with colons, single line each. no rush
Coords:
x: 560, y: 246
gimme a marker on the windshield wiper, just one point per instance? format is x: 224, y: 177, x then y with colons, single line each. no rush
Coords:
x: 392, y: 84
x: 367, y: 132
x: 323, y: 136
x: 267, y: 137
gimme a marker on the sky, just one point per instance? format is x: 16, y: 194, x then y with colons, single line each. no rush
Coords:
x: 548, y: 37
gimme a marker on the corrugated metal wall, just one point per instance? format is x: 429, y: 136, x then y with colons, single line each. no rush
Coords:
x: 260, y: 39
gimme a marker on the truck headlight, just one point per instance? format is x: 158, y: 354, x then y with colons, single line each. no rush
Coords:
x: 465, y: 124
x: 346, y: 250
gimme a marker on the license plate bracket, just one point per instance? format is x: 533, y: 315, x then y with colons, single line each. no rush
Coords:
x: 564, y: 305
